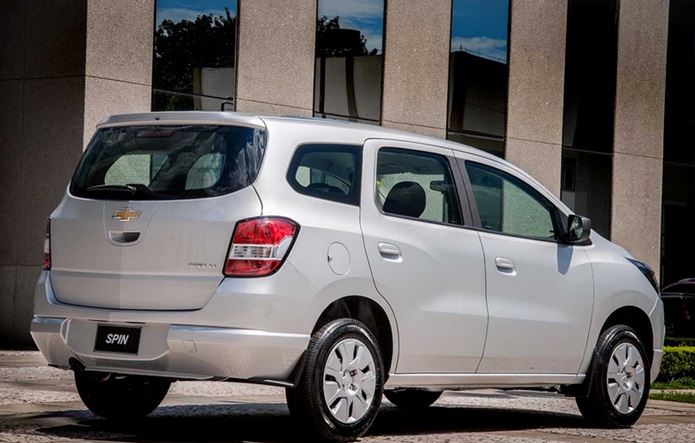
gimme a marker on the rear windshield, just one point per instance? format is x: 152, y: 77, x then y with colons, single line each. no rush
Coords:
x: 169, y: 162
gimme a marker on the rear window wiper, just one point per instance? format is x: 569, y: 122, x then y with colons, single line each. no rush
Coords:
x: 113, y: 188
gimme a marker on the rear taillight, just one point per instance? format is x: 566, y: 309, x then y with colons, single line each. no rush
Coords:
x: 259, y: 246
x: 47, y: 247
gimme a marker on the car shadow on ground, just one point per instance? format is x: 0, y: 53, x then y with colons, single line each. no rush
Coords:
x: 265, y: 422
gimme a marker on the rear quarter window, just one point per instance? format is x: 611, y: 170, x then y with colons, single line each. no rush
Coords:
x: 329, y: 172
x: 169, y: 162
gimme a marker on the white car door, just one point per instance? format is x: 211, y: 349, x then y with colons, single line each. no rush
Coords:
x: 426, y: 263
x: 539, y: 290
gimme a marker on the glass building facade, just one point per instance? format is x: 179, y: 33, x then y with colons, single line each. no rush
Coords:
x: 194, y: 55
x: 478, y: 74
x: 679, y: 145
x: 349, y: 60
x: 589, y: 105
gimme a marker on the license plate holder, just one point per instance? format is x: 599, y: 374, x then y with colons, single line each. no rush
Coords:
x: 119, y: 339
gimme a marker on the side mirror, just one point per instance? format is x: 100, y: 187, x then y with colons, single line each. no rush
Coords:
x: 578, y: 229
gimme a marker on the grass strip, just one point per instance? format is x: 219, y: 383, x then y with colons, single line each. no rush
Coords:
x: 682, y: 397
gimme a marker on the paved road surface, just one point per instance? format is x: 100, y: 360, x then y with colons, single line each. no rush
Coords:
x: 39, y: 404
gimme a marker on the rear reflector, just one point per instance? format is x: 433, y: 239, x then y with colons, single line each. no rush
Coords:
x: 47, y: 247
x: 259, y: 246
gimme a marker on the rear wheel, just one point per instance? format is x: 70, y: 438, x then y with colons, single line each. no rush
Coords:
x: 120, y: 397
x: 340, y: 389
x: 412, y: 398
x: 620, y: 384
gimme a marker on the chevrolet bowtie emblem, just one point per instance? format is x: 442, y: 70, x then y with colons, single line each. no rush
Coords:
x: 126, y: 214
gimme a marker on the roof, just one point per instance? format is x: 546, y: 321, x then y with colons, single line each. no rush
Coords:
x: 260, y: 121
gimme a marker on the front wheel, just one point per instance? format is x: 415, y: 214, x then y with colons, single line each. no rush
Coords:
x: 120, y: 397
x: 620, y: 384
x: 339, y: 391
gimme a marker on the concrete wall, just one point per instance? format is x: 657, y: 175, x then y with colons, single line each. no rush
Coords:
x: 41, y: 125
x: 118, y: 72
x: 639, y: 128
x: 61, y: 71
x: 276, y: 56
x: 536, y: 88
x: 416, y: 66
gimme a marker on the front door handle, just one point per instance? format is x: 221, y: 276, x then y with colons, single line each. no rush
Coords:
x: 389, y: 251
x: 505, y: 265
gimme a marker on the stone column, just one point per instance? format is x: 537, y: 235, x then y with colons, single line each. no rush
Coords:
x: 118, y: 72
x: 416, y: 66
x: 64, y: 65
x: 536, y: 88
x: 639, y: 128
x: 276, y: 57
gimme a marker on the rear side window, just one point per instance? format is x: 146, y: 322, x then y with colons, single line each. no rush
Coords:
x: 417, y: 185
x: 169, y: 162
x: 329, y: 172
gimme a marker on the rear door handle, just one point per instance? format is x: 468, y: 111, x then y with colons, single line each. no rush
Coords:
x: 389, y: 251
x: 505, y: 265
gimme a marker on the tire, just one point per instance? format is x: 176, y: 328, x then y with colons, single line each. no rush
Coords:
x: 412, y: 398
x: 620, y: 380
x: 120, y: 397
x: 338, y: 398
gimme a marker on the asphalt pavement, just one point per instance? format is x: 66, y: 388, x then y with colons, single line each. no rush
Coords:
x: 39, y: 404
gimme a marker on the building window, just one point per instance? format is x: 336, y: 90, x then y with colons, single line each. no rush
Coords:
x: 679, y: 123
x: 588, y: 113
x: 478, y: 74
x: 679, y: 139
x: 586, y: 186
x: 194, y: 55
x: 349, y: 60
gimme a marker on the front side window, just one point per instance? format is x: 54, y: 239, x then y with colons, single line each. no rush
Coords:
x: 169, y: 162
x: 416, y: 185
x: 509, y: 206
x: 330, y: 172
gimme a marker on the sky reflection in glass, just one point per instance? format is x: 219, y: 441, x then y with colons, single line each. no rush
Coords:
x: 480, y: 27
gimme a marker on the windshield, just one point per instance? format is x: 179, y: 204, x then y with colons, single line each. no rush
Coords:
x: 169, y: 162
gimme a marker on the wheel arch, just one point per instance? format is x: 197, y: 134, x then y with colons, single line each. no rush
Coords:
x: 630, y: 316
x: 636, y: 319
x: 373, y: 315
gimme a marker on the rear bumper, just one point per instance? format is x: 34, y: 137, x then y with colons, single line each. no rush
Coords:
x: 177, y: 345
x: 175, y: 351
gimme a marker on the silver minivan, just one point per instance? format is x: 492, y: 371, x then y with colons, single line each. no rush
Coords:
x: 339, y: 261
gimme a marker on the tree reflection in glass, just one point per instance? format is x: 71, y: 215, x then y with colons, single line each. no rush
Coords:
x: 194, y: 54
x: 349, y: 59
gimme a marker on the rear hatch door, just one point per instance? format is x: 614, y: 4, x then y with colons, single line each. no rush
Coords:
x: 150, y: 213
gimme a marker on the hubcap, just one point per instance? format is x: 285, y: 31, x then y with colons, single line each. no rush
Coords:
x: 349, y: 380
x: 625, y: 378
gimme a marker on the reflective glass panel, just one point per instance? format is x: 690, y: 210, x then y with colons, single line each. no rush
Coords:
x: 349, y: 59
x: 679, y: 123
x: 677, y: 220
x: 586, y: 186
x: 194, y: 54
x: 478, y: 74
x: 590, y: 75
